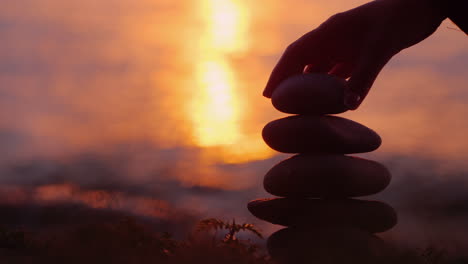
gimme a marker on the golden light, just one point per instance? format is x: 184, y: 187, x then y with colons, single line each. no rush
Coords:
x: 228, y: 23
x: 217, y: 105
x: 216, y: 108
x: 216, y: 115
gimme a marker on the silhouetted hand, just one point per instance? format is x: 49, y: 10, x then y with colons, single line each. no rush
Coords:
x: 358, y: 43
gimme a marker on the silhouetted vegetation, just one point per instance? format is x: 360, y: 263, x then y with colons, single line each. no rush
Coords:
x: 231, y: 228
x: 130, y: 240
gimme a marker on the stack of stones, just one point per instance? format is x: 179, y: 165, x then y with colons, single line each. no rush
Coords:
x: 324, y: 223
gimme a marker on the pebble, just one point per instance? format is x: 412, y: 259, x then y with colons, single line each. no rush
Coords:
x: 311, y: 93
x: 319, y: 134
x: 326, y: 176
x: 326, y: 246
x: 371, y: 216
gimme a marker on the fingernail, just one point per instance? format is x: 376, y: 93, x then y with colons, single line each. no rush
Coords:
x: 352, y: 100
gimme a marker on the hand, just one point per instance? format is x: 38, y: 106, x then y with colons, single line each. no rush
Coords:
x: 358, y: 43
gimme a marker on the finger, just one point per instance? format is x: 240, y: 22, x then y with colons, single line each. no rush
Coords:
x: 300, y: 53
x: 342, y: 70
x: 365, y: 73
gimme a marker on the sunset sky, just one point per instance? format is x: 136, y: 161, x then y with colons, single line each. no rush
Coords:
x: 165, y: 91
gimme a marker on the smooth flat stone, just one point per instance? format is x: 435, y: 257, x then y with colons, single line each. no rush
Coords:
x: 326, y: 175
x: 314, y: 134
x: 311, y: 93
x: 326, y: 246
x: 371, y: 216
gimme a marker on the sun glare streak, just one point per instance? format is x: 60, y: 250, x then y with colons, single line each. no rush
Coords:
x: 217, y: 109
x: 228, y: 24
x: 216, y: 112
x: 216, y: 117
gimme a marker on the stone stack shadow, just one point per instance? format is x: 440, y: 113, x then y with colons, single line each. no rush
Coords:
x: 324, y: 222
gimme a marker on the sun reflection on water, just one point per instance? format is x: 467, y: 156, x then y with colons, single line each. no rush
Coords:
x: 217, y: 115
x: 217, y: 106
x: 228, y: 22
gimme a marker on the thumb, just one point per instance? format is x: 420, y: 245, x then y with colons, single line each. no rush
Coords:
x: 363, y: 76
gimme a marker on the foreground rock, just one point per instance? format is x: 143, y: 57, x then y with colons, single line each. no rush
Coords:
x: 371, y: 216
x: 326, y: 246
x: 319, y: 134
x: 310, y: 94
x: 325, y: 176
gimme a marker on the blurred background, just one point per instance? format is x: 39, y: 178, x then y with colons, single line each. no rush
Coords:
x: 155, y: 107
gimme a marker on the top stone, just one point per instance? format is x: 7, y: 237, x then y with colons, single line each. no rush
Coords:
x: 311, y: 93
